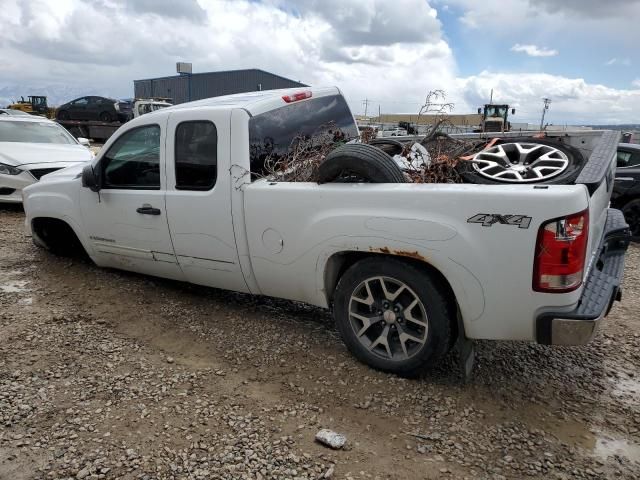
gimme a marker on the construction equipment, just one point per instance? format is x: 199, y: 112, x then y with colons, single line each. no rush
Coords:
x: 35, y: 105
x: 495, y: 118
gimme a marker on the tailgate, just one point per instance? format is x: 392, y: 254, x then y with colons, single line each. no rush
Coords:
x: 601, y: 288
x: 598, y: 176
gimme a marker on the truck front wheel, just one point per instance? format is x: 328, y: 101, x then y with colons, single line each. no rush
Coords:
x: 393, y: 315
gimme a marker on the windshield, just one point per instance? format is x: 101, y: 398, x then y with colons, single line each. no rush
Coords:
x: 494, y: 111
x: 34, y: 132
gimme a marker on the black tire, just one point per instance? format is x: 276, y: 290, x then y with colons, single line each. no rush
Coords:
x: 62, y: 115
x: 631, y: 212
x: 576, y: 162
x: 105, y: 117
x: 57, y: 237
x: 359, y: 163
x: 388, y: 145
x: 420, y: 284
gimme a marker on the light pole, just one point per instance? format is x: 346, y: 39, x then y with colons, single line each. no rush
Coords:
x: 547, y: 102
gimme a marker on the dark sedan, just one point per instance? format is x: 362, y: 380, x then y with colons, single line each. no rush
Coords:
x: 626, y: 190
x: 101, y: 109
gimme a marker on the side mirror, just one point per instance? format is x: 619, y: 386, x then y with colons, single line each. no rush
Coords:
x: 513, y: 111
x: 90, y: 179
x: 84, y: 141
x: 479, y: 111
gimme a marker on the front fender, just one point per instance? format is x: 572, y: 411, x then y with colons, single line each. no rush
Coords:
x: 60, y: 205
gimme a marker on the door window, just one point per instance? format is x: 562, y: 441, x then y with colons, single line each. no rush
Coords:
x: 628, y: 159
x: 81, y: 101
x: 133, y: 161
x: 196, y: 155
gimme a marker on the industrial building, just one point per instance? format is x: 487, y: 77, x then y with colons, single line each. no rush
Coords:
x: 195, y: 86
x: 462, y: 120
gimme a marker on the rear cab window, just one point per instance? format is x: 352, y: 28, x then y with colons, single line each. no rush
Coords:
x: 271, y: 134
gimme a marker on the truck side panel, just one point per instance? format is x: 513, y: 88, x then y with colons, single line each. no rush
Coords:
x: 464, y: 231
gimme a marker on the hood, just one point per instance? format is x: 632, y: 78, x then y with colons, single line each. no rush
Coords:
x: 18, y: 153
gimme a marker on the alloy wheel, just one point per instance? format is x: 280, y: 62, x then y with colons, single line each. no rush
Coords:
x: 520, y: 162
x: 388, y: 318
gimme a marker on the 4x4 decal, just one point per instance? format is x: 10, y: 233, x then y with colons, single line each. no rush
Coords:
x: 488, y: 219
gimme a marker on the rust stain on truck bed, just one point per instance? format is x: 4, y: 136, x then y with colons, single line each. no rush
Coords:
x: 403, y: 253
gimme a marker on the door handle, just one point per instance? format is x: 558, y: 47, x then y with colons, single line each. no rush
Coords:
x: 147, y: 209
x: 625, y: 179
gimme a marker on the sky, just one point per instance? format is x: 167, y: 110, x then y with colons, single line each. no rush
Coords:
x: 583, y: 54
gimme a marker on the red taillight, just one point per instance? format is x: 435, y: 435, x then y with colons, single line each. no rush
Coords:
x: 297, y: 96
x: 560, y: 254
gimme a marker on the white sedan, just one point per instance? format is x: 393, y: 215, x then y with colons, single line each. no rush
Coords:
x: 31, y: 147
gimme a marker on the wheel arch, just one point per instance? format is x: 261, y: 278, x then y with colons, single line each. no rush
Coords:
x: 38, y: 225
x: 338, y: 263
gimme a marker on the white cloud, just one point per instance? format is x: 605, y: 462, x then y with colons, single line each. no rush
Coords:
x: 625, y: 62
x: 574, y: 21
x: 636, y: 83
x: 534, y: 50
x: 389, y: 52
x: 365, y: 46
x: 574, y: 100
x: 589, y: 8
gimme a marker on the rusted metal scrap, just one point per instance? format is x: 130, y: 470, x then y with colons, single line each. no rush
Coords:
x: 445, y: 153
x: 306, y: 153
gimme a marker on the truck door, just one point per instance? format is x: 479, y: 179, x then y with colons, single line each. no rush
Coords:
x: 126, y: 221
x: 198, y: 199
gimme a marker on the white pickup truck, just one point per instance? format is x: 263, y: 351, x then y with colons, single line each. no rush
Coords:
x: 408, y: 269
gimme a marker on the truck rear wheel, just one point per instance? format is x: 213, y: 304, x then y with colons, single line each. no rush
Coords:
x: 393, y: 315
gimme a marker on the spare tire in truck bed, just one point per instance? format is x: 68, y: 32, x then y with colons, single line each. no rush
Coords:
x: 388, y: 145
x: 524, y: 160
x: 359, y: 163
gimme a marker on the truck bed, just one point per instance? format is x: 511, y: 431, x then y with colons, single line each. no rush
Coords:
x: 429, y: 223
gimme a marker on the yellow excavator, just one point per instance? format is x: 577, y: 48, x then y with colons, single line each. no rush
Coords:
x: 35, y: 105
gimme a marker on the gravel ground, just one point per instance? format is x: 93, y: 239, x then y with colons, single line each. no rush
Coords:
x: 105, y: 374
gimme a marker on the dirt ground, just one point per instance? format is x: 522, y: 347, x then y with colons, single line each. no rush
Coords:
x: 107, y: 374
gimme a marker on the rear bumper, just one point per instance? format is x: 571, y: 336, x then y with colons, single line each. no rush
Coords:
x: 601, y: 289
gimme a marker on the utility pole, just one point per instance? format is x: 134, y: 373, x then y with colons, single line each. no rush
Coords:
x: 366, y: 103
x: 547, y: 102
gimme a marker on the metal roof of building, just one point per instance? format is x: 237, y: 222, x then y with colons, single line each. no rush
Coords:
x: 196, y: 86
